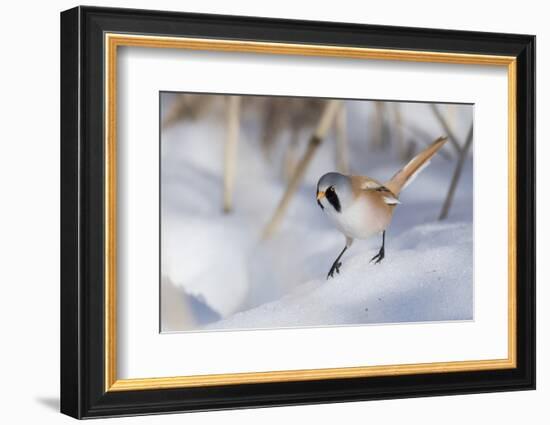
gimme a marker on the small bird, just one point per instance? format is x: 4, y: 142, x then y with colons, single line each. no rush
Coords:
x: 362, y: 207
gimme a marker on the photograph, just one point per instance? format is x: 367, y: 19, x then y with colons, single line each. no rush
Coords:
x: 294, y: 212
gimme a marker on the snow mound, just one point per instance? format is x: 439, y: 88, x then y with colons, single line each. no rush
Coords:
x: 426, y: 276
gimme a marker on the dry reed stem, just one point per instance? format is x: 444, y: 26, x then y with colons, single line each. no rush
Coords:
x: 326, y: 120
x: 231, y: 144
x: 456, y: 175
x: 342, y: 155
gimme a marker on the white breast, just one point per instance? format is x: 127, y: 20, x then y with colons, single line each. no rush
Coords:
x: 360, y: 220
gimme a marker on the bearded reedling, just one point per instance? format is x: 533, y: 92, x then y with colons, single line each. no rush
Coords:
x: 361, y: 207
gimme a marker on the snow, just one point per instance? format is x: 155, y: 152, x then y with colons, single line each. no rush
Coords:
x: 218, y: 271
x: 421, y: 281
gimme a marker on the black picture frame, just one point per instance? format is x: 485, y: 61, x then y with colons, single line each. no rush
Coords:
x: 83, y: 392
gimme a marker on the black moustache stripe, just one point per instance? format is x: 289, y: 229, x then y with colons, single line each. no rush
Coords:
x: 332, y: 198
x: 321, y: 205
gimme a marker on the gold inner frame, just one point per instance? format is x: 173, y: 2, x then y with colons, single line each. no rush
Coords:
x: 113, y: 41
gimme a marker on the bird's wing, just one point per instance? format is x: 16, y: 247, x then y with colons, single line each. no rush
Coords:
x: 362, y: 184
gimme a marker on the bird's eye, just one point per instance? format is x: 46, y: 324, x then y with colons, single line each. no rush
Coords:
x: 331, y: 189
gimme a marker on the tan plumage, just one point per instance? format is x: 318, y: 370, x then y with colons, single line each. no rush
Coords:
x: 380, y: 203
x: 361, y: 206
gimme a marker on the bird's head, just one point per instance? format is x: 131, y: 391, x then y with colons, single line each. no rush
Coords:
x: 334, y: 191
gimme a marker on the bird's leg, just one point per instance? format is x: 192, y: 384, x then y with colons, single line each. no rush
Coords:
x: 337, y: 263
x: 380, y: 256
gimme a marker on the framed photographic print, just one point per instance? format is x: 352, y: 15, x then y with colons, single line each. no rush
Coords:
x: 261, y: 212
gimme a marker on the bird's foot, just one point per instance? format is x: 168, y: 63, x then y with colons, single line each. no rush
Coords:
x: 378, y: 257
x: 335, y: 268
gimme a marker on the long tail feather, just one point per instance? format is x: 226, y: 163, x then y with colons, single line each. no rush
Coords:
x: 407, y: 174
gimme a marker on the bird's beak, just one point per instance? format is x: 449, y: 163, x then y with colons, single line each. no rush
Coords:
x: 320, y: 195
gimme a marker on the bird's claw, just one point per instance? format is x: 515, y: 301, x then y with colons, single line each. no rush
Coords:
x: 335, y: 268
x: 378, y: 257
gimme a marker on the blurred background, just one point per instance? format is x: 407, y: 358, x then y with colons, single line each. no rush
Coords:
x: 244, y: 244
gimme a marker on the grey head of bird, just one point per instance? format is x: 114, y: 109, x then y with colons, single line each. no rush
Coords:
x: 334, y: 191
